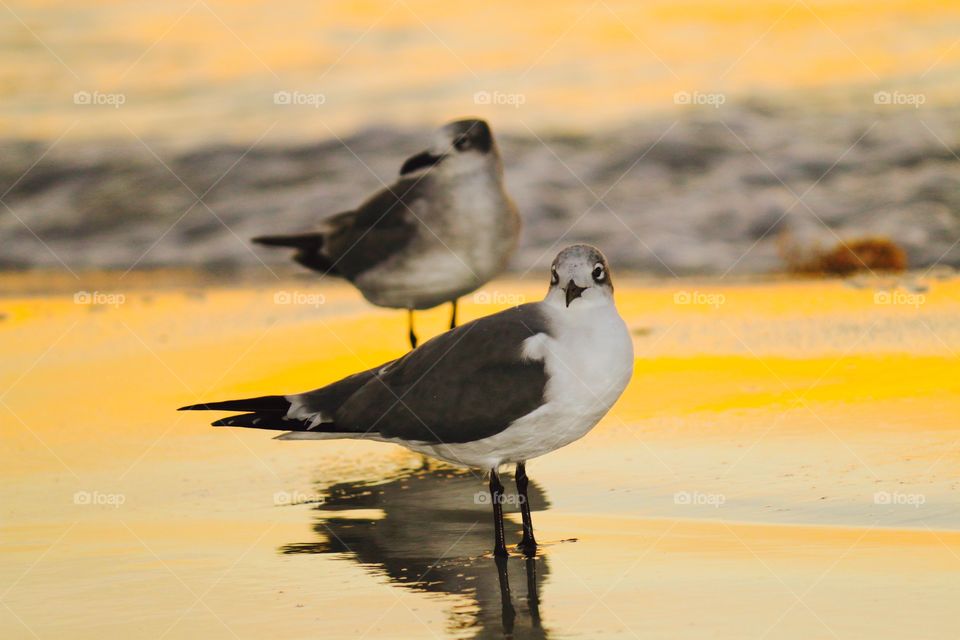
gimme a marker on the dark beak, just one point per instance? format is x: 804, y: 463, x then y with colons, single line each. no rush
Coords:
x: 573, y: 291
x: 420, y: 161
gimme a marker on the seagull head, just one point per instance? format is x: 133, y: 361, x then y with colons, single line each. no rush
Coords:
x: 459, y: 146
x: 580, y: 277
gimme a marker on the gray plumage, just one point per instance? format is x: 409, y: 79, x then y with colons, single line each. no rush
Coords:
x: 442, y: 230
x: 440, y: 392
x: 503, y: 389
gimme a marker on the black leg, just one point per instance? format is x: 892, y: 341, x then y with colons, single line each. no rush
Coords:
x: 527, y: 544
x: 533, y: 594
x: 496, y: 497
x: 413, y: 336
x: 507, y: 612
x: 453, y: 315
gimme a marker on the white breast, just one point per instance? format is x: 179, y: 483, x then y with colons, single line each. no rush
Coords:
x: 470, y: 229
x: 588, y: 360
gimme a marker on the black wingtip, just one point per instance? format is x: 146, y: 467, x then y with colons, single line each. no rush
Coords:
x: 273, y: 241
x: 310, y: 241
x: 206, y: 406
x: 268, y: 404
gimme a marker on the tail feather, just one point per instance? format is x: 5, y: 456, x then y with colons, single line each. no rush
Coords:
x: 309, y: 248
x: 303, y: 241
x: 274, y: 422
x: 257, y: 421
x: 267, y: 404
x: 316, y: 261
x: 265, y: 412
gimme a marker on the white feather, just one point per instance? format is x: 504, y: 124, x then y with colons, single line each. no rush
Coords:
x: 588, y: 360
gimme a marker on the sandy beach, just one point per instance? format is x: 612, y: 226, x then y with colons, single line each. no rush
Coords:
x: 782, y: 465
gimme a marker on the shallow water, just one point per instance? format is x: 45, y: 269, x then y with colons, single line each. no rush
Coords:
x: 718, y: 191
x: 782, y: 465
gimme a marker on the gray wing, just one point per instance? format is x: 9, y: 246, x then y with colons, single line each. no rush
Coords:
x: 464, y: 385
x: 383, y: 225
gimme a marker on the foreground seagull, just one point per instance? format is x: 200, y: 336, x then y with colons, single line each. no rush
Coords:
x: 502, y: 389
x: 442, y: 230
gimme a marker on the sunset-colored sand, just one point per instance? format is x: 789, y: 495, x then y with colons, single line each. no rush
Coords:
x: 784, y: 464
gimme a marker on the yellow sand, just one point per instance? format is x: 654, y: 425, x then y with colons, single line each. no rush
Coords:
x: 783, y: 464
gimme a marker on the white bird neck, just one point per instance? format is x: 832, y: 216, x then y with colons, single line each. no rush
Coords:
x: 583, y: 311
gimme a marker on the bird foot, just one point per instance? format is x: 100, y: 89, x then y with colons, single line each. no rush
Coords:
x: 528, y: 548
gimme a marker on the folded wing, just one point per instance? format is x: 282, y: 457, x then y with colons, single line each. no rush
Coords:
x: 441, y: 392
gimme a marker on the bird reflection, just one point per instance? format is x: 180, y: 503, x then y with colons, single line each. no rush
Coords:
x: 430, y: 532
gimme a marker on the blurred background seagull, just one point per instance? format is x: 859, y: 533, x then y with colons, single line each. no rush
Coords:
x: 499, y: 390
x: 442, y: 230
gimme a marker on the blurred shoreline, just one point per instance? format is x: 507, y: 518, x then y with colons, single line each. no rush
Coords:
x: 44, y: 281
x: 700, y: 192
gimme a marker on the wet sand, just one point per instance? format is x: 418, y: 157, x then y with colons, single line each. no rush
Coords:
x: 783, y: 465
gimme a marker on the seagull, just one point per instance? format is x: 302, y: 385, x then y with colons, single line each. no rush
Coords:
x: 499, y: 390
x: 442, y: 230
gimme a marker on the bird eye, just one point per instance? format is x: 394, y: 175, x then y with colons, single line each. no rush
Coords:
x: 598, y: 272
x: 554, y: 276
x: 462, y: 143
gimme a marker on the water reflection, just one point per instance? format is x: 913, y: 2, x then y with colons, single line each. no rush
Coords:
x: 429, y: 529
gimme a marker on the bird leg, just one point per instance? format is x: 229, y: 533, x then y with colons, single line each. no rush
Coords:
x: 453, y: 315
x: 496, y: 497
x: 413, y: 336
x: 533, y: 594
x: 527, y: 544
x: 507, y: 613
